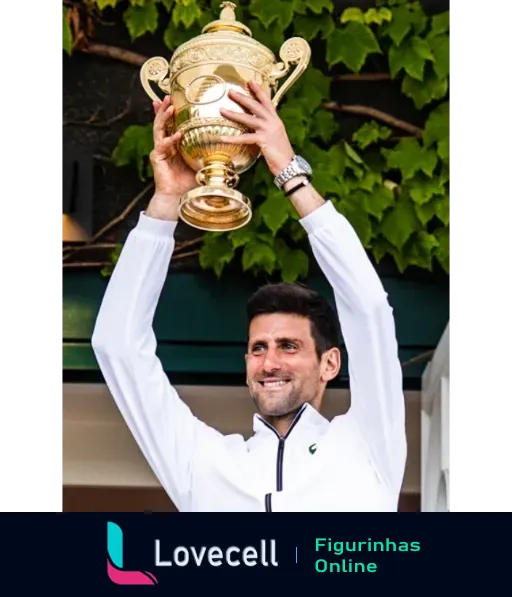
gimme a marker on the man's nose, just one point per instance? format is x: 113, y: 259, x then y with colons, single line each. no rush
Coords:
x: 272, y: 361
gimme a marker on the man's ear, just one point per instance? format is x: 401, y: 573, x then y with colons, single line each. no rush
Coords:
x: 331, y: 364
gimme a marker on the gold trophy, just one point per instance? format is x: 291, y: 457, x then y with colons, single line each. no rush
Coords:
x: 198, y: 77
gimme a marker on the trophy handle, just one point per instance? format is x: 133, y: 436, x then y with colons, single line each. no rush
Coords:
x: 295, y: 50
x: 155, y: 69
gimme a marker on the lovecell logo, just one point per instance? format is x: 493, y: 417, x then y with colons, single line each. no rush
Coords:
x: 116, y: 573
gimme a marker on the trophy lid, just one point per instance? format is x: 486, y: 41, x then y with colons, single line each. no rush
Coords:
x: 227, y: 21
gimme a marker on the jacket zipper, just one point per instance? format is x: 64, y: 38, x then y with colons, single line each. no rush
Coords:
x: 280, y: 453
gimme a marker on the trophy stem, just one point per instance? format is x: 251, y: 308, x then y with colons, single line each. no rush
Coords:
x: 215, y: 206
x: 217, y: 174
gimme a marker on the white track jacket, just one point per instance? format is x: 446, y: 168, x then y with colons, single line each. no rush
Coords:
x: 353, y: 463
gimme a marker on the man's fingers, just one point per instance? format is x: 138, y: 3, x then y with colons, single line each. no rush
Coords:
x: 262, y: 97
x: 167, y: 148
x: 251, y: 122
x: 248, y: 102
x: 247, y: 139
x: 163, y: 113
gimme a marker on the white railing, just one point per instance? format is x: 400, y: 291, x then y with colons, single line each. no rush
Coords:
x: 435, y: 424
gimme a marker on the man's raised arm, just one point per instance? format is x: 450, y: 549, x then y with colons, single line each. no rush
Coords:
x: 168, y: 434
x: 368, y: 329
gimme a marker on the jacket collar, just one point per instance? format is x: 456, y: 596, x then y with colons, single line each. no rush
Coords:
x: 307, y: 418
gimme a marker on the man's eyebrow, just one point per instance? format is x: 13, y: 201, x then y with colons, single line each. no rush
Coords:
x: 283, y: 340
x: 292, y: 340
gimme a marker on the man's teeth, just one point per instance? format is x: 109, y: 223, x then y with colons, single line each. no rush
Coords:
x: 274, y: 384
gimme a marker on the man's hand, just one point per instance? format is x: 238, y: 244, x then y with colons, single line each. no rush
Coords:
x: 269, y: 132
x: 172, y: 176
x: 271, y: 137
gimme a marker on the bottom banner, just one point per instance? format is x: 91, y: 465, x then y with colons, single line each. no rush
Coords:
x: 404, y: 552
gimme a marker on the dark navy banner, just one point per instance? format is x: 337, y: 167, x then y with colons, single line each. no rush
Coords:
x: 99, y: 554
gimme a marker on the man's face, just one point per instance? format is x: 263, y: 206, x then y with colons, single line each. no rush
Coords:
x: 283, y: 370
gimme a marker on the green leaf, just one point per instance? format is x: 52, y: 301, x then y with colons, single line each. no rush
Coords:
x: 440, y: 47
x: 310, y: 26
x: 424, y: 92
x: 67, y: 36
x: 174, y: 35
x: 369, y: 180
x: 327, y: 183
x: 403, y: 20
x: 381, y: 247
x: 141, y: 19
x: 437, y: 129
x: 443, y: 149
x: 296, y: 231
x: 168, y: 4
x: 441, y: 23
x: 138, y: 2
x: 438, y: 206
x: 378, y: 15
x: 351, y: 45
x: 135, y: 144
x: 425, y: 212
x: 444, y: 176
x: 411, y: 56
x: 299, y: 7
x: 442, y: 251
x: 275, y: 210
x: 244, y: 235
x: 409, y: 157
x: 296, y: 121
x: 442, y: 209
x: 216, y: 252
x: 323, y: 125
x: 352, y: 14
x: 294, y: 263
x: 272, y: 37
x: 379, y: 201
x: 258, y: 255
x: 437, y: 126
x: 102, y: 4
x: 399, y: 223
x: 352, y: 153
x: 419, y: 249
x: 422, y: 189
x: 116, y: 253
x: 311, y: 89
x: 317, y: 6
x: 353, y: 208
x: 267, y: 12
x: 187, y: 14
x: 370, y: 132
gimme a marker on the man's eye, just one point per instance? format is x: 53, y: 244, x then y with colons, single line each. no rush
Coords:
x: 289, y: 346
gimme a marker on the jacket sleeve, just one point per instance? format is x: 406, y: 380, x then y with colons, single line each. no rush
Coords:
x: 368, y: 329
x: 168, y: 434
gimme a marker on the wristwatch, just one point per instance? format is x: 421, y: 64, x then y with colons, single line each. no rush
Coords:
x: 297, y: 167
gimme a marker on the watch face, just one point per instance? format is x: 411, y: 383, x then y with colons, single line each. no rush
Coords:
x: 301, y: 162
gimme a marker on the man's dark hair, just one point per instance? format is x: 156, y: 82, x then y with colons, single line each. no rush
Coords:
x: 298, y: 299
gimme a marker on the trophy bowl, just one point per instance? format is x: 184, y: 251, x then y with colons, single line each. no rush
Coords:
x: 199, y: 76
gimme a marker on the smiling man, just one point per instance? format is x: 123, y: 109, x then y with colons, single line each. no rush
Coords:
x: 296, y: 459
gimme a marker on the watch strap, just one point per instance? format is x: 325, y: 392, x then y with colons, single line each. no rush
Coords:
x: 301, y: 184
x: 287, y: 173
